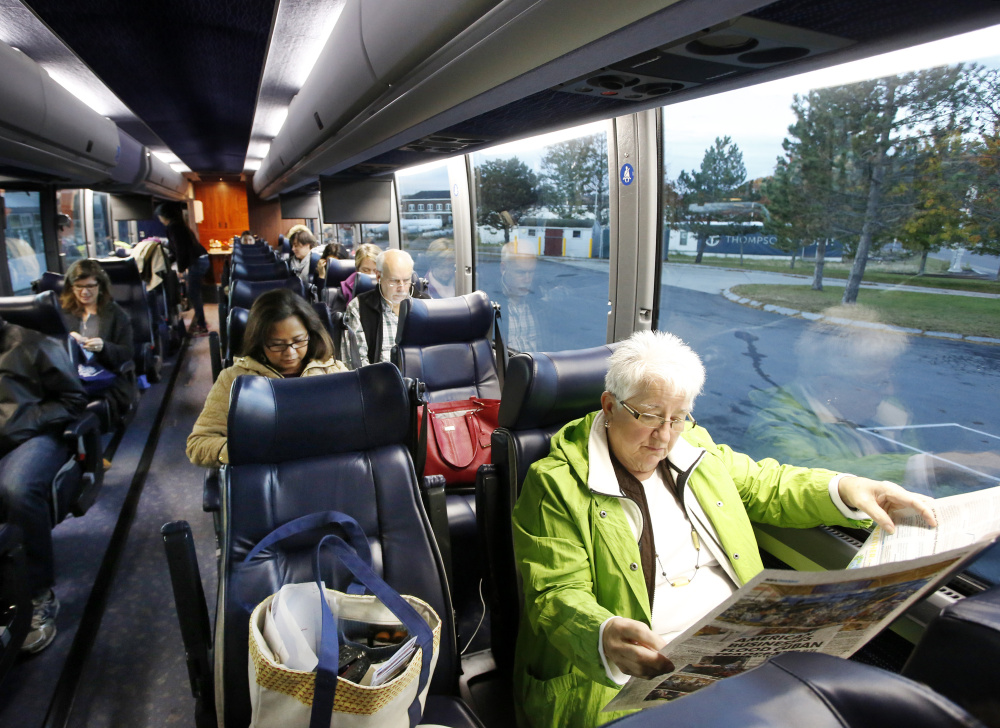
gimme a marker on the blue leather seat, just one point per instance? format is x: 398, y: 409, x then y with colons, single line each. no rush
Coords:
x: 298, y: 446
x: 129, y: 292
x: 447, y: 344
x: 245, y: 270
x: 803, y: 688
x: 542, y: 392
x: 337, y: 271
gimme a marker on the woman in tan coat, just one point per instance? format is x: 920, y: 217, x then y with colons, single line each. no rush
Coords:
x: 284, y: 338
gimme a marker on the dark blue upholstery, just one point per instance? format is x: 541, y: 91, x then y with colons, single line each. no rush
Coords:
x: 447, y: 344
x: 297, y: 446
x: 237, y: 326
x: 338, y: 271
x: 807, y: 689
x: 49, y: 281
x: 129, y: 292
x: 542, y: 392
x: 244, y: 293
x: 39, y: 312
x: 245, y: 270
x: 15, y: 596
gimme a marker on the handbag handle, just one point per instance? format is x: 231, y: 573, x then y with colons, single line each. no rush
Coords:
x: 325, y: 689
x: 311, y: 522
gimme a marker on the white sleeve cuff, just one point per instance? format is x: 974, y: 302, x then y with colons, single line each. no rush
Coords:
x: 610, y: 669
x: 846, y: 510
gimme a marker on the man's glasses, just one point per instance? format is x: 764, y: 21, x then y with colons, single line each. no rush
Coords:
x: 655, y: 422
x: 277, y: 348
x: 398, y: 282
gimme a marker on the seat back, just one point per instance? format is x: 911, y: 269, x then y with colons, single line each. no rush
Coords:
x: 300, y: 446
x: 129, y: 292
x: 245, y: 270
x: 237, y: 326
x: 542, y: 392
x: 40, y: 312
x: 447, y: 344
x: 243, y: 293
x: 337, y: 271
x: 50, y: 281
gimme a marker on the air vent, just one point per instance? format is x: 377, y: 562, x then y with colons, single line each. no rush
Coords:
x: 722, y: 44
x: 611, y: 82
x: 442, y: 144
x: 621, y: 86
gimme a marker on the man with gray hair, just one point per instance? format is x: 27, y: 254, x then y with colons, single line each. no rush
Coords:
x: 373, y: 316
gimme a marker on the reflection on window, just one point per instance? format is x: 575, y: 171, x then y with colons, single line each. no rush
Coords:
x: 541, y: 238
x: 426, y: 234
x: 104, y: 242
x: 891, y: 181
x: 69, y: 227
x: 375, y: 234
x: 25, y: 248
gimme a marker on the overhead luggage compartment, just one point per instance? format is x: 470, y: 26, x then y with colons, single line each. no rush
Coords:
x: 162, y: 180
x: 46, y: 132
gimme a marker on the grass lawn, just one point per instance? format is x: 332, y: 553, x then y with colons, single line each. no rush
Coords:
x: 926, y: 311
x: 901, y: 272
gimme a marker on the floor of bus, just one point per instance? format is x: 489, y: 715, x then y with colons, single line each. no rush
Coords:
x: 131, y: 669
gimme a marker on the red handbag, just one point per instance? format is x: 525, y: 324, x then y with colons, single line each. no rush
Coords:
x: 454, y: 438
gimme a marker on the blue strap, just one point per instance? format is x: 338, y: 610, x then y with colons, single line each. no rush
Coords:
x: 313, y: 521
x: 329, y: 649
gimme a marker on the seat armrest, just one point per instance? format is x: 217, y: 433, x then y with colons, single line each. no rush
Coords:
x: 215, y: 353
x: 86, y: 423
x: 211, y: 499
x: 432, y: 493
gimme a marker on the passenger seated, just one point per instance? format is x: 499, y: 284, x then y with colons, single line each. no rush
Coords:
x: 441, y: 268
x: 364, y: 262
x: 40, y: 393
x: 303, y: 261
x: 374, y: 315
x: 247, y: 238
x: 637, y: 524
x: 284, y: 338
x: 100, y: 327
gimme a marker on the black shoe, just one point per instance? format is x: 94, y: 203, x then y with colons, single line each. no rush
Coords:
x: 196, y: 330
x: 43, y: 623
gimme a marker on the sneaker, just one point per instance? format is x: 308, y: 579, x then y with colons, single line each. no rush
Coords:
x: 196, y: 330
x: 43, y: 623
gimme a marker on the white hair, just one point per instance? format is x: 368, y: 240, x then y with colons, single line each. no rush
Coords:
x: 392, y: 256
x: 647, y: 357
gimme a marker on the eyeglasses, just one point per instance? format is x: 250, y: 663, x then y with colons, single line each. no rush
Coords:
x: 398, y: 282
x: 655, y: 422
x: 298, y: 345
x: 88, y: 287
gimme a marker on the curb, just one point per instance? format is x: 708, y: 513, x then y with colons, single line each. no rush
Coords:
x: 781, y: 310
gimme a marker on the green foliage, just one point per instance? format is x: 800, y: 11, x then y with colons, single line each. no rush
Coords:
x: 575, y: 178
x: 504, y: 186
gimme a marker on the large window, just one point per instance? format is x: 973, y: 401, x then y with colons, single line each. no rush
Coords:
x: 771, y: 224
x: 104, y: 241
x: 427, y: 233
x: 531, y: 198
x: 72, y: 236
x: 25, y: 249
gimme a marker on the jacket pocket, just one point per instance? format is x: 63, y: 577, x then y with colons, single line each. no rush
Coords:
x: 567, y: 700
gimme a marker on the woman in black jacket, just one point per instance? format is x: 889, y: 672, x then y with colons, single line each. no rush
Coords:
x: 100, y: 326
x: 191, y: 257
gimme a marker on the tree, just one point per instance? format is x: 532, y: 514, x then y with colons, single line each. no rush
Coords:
x: 504, y: 186
x: 575, y: 177
x: 722, y: 173
x: 984, y: 199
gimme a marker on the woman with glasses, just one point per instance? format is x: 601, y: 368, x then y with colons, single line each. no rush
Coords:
x: 284, y: 338
x: 637, y: 524
x: 100, y: 327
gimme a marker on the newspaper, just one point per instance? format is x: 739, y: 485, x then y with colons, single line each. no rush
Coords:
x: 777, y: 611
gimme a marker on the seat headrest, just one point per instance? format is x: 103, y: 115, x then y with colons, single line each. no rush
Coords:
x: 50, y: 281
x: 279, y: 420
x: 258, y: 271
x: 546, y: 389
x: 338, y: 270
x: 363, y: 283
x: 237, y: 323
x: 425, y: 322
x: 244, y: 293
x: 40, y: 313
x: 121, y: 270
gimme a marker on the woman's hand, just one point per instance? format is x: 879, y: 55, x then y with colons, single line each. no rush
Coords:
x: 634, y: 648
x: 879, y: 498
x: 78, y: 338
x: 94, y: 344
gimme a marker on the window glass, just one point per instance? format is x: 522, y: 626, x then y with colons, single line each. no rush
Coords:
x: 375, y: 234
x: 104, y: 242
x: 530, y: 199
x: 427, y: 233
x: 891, y: 183
x: 23, y: 234
x: 72, y: 238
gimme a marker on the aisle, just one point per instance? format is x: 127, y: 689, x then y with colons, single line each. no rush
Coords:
x: 136, y: 674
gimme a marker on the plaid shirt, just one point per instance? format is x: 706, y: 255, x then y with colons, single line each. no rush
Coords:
x: 352, y: 321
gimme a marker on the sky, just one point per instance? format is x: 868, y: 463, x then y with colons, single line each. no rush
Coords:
x: 756, y: 118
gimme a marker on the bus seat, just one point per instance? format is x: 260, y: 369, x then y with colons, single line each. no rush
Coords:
x: 359, y: 451
x: 243, y: 293
x: 958, y: 654
x: 808, y: 688
x: 447, y: 344
x: 15, y: 599
x: 50, y: 281
x: 542, y: 392
x: 337, y: 271
x: 335, y: 298
x: 129, y: 292
x: 247, y: 271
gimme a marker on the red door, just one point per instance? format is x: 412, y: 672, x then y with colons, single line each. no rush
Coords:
x: 553, y: 241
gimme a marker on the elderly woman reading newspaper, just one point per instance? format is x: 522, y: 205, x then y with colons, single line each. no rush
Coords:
x: 637, y: 524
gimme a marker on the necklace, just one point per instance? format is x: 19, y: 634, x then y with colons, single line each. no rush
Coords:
x: 681, y: 580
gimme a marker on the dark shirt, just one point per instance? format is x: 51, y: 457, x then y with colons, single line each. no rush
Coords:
x: 184, y: 245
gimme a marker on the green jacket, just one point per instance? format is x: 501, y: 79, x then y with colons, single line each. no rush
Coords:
x: 576, y: 563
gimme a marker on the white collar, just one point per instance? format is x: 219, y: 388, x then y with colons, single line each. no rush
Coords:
x: 602, y: 479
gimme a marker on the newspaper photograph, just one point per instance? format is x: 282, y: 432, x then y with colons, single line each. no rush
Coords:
x: 835, y: 612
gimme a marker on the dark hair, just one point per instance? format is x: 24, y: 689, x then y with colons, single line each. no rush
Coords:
x: 245, y: 232
x: 303, y: 237
x: 85, y: 268
x: 332, y: 250
x: 169, y: 211
x: 275, y: 306
x: 63, y: 220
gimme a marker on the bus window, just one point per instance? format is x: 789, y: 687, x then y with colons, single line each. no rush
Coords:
x: 25, y: 249
x: 72, y: 237
x: 427, y: 227
x: 104, y: 242
x: 375, y: 234
x: 895, y: 379
x: 531, y: 197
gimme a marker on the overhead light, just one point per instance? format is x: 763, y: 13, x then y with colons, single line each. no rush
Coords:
x: 252, y: 165
x: 180, y: 167
x: 79, y: 89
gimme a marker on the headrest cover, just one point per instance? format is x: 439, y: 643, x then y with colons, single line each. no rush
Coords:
x: 244, y: 293
x: 40, y: 312
x: 546, y: 389
x: 338, y: 270
x: 426, y: 322
x: 245, y: 267
x: 279, y: 420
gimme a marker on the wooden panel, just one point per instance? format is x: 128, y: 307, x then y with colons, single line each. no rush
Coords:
x: 225, y: 210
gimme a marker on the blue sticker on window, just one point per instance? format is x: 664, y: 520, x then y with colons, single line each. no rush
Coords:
x: 627, y: 174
